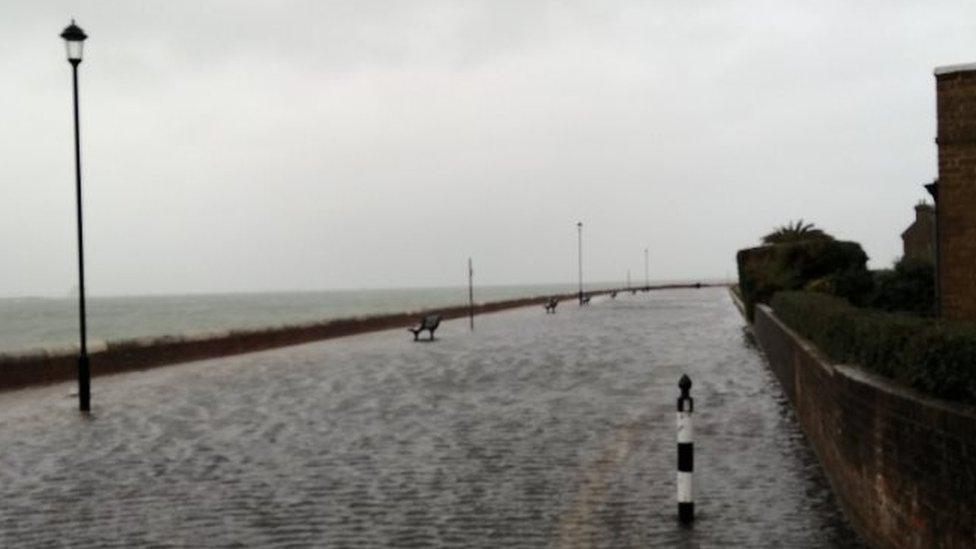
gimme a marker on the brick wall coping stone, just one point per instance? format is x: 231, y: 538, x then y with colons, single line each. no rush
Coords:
x: 949, y: 69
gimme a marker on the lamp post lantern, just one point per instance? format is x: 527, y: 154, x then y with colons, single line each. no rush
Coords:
x: 579, y: 257
x: 74, y: 41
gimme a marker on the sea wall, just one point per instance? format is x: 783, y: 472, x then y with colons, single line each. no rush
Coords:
x: 736, y: 294
x: 902, y: 465
x: 36, y: 368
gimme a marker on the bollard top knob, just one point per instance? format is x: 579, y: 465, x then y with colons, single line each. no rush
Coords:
x: 685, y: 402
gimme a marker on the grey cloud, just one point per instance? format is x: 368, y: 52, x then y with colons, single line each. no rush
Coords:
x: 304, y: 145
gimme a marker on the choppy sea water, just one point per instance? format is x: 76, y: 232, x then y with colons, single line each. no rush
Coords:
x: 29, y: 323
x: 534, y: 430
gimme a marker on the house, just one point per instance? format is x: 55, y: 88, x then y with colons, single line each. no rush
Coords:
x: 918, y: 240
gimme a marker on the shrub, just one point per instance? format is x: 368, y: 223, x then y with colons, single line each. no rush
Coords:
x: 822, y: 285
x: 839, y: 266
x: 909, y: 288
x: 938, y: 358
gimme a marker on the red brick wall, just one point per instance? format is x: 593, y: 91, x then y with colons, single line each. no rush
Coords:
x: 902, y: 466
x: 956, y: 101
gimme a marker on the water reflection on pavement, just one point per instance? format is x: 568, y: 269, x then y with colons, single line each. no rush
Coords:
x: 534, y: 431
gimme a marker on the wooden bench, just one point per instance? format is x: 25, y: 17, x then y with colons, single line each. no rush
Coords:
x: 429, y: 323
x: 613, y: 294
x: 551, y: 305
x: 585, y: 300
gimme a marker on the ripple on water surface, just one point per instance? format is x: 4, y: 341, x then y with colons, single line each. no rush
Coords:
x: 536, y: 430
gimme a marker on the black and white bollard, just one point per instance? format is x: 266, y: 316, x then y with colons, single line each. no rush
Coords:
x: 686, y: 452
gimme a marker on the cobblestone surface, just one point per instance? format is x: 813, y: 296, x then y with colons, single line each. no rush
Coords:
x: 533, y: 431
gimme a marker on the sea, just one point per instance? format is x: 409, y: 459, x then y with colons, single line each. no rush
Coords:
x: 35, y: 323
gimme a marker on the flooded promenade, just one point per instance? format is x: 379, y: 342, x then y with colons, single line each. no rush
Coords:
x: 533, y: 431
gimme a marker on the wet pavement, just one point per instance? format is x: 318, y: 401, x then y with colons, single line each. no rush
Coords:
x: 534, y: 431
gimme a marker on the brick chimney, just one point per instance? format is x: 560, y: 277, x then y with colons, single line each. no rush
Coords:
x: 956, y: 204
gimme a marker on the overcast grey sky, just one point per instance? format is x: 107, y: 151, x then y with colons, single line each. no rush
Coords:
x: 233, y: 146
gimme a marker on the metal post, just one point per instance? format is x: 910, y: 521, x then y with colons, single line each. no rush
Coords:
x: 647, y: 278
x: 579, y: 256
x: 84, y: 369
x: 471, y: 294
x: 686, y: 453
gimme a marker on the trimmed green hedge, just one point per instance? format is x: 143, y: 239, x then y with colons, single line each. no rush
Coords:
x: 830, y: 266
x: 938, y: 358
x: 909, y: 288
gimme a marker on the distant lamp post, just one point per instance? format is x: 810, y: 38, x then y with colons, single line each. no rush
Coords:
x: 74, y: 41
x: 647, y: 271
x: 579, y: 257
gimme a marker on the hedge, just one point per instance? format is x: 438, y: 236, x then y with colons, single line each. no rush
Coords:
x: 834, y: 266
x: 935, y: 357
x: 909, y: 288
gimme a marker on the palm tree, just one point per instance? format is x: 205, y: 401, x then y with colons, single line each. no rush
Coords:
x: 795, y: 232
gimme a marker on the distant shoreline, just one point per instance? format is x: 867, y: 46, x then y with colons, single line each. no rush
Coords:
x: 43, y: 367
x: 715, y: 281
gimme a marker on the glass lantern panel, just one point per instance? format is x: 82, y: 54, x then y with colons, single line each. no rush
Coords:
x: 74, y: 48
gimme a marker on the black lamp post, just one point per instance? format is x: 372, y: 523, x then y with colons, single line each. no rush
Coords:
x: 74, y: 41
x: 579, y: 256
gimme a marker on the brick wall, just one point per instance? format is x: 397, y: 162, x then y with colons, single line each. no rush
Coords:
x: 902, y: 466
x: 956, y: 102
